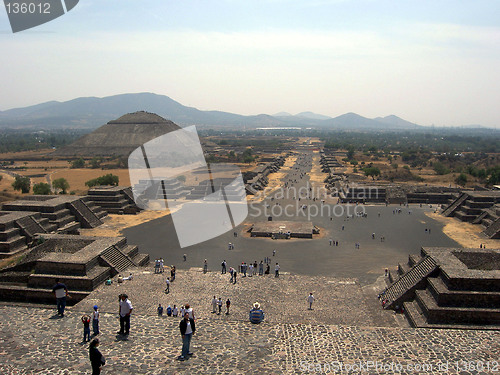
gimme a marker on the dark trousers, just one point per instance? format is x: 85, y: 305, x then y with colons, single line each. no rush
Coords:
x: 125, y: 324
x: 96, y: 370
x: 61, y: 305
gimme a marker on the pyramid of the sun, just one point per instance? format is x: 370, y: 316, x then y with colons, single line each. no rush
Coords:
x: 119, y: 137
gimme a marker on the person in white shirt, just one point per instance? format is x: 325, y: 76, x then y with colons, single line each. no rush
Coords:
x: 187, y: 327
x: 214, y: 305
x: 310, y: 299
x: 190, y: 311
x: 125, y: 312
x: 167, y: 289
x: 277, y: 270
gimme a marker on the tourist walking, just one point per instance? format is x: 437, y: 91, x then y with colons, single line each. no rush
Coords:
x: 228, y: 304
x: 187, y: 327
x: 167, y: 289
x: 256, y: 314
x: 95, y: 320
x: 310, y: 299
x: 261, y: 268
x: 172, y: 273
x: 97, y: 360
x: 125, y: 312
x: 175, y: 311
x: 219, y: 304
x: 223, y: 264
x: 61, y: 292
x: 277, y: 270
x: 214, y: 305
x: 231, y: 271
x: 235, y: 274
x: 160, y: 310
x: 205, y: 266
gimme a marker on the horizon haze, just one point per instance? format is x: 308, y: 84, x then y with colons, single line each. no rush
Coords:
x: 435, y: 63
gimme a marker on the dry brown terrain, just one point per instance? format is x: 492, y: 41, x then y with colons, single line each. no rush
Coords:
x: 466, y: 234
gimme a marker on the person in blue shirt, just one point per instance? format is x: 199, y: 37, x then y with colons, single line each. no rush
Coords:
x: 256, y: 314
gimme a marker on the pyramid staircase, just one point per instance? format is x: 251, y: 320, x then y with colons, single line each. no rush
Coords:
x: 455, y: 205
x: 461, y: 292
x: 86, y: 217
x: 403, y: 288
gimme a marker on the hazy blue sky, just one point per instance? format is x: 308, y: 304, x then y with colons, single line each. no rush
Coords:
x: 426, y: 61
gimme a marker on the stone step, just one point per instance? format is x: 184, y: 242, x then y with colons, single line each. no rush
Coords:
x: 88, y: 282
x: 69, y: 227
x: 414, y: 259
x: 23, y: 293
x: 455, y: 315
x: 9, y: 233
x: 461, y: 298
x: 141, y: 259
x: 12, y: 244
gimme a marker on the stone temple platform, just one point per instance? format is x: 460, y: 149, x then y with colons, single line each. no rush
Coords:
x: 449, y: 288
x: 342, y: 329
x: 81, y: 262
x: 283, y: 229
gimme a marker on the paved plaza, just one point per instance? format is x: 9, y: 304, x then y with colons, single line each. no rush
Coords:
x: 404, y: 233
x: 343, y: 327
x: 346, y: 332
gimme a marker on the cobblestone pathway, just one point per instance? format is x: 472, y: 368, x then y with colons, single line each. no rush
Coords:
x: 292, y: 340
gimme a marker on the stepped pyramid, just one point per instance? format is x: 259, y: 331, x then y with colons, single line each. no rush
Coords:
x: 119, y: 137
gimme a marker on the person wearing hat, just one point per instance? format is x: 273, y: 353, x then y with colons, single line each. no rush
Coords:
x: 95, y: 320
x: 256, y: 314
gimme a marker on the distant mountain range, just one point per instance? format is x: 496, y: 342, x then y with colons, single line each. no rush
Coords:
x: 92, y: 112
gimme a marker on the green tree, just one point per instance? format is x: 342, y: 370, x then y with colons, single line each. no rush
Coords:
x: 61, y: 184
x: 461, y: 179
x: 95, y: 163
x: 41, y: 189
x: 22, y: 183
x: 109, y: 179
x: 440, y: 168
x: 247, y: 156
x: 350, y: 153
x: 78, y: 163
x: 371, y: 171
